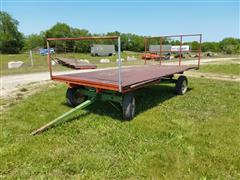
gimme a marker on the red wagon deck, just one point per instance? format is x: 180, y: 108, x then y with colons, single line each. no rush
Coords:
x: 132, y: 77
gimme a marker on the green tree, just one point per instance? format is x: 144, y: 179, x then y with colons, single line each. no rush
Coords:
x: 11, y: 40
x: 136, y: 43
x: 124, y: 39
x: 230, y: 45
x: 175, y: 42
x: 194, y: 45
x: 80, y: 46
x: 210, y: 46
x: 34, y: 41
x: 60, y: 30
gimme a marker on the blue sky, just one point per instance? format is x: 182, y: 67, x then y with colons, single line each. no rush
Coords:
x: 214, y: 19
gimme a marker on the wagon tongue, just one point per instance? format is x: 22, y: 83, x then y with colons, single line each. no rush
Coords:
x: 63, y: 118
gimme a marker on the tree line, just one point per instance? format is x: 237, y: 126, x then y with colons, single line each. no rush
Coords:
x: 13, y: 41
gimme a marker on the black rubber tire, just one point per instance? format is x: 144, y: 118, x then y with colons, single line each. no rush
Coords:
x: 128, y: 106
x: 74, y: 97
x: 181, y: 85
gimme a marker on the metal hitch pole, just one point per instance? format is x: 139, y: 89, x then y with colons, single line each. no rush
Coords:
x: 61, y: 118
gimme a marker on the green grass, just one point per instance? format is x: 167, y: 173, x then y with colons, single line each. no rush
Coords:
x: 40, y: 62
x: 195, y: 136
x: 228, y: 69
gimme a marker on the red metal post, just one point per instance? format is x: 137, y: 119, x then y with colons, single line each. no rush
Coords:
x: 161, y: 41
x: 180, y: 55
x: 49, y: 60
x: 145, y: 49
x: 199, y: 50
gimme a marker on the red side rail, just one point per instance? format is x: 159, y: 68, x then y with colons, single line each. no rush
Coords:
x: 146, y: 42
x: 70, y: 39
x: 82, y: 38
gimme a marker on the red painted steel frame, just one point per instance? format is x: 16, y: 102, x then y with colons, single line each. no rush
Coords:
x: 101, y: 85
x: 161, y: 41
x: 82, y: 38
x: 180, y: 50
x: 70, y: 39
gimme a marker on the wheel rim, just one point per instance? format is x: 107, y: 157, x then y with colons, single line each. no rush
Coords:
x: 78, y: 97
x: 184, y: 86
x: 133, y: 107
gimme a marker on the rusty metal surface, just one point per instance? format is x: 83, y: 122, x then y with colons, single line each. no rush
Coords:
x: 108, y: 79
x: 83, y: 38
x: 75, y: 63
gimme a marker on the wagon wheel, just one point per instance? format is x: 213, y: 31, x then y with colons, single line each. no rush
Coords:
x: 128, y: 106
x: 74, y: 97
x: 181, y: 85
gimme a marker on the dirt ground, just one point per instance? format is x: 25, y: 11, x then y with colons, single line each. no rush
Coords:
x: 212, y: 76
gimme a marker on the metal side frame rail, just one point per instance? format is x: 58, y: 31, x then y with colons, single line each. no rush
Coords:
x: 180, y: 51
x: 88, y: 38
